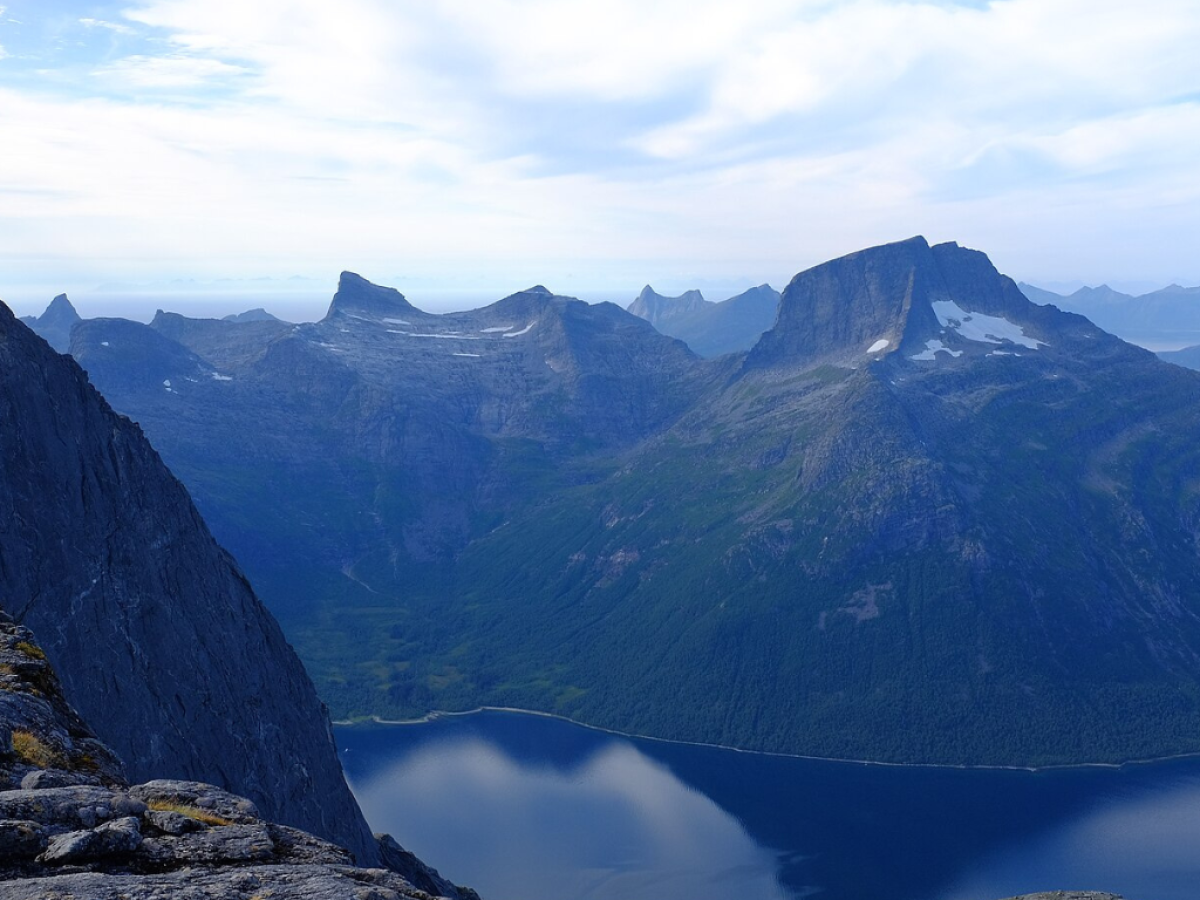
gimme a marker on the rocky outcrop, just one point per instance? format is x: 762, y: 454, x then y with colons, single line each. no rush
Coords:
x: 72, y: 827
x: 161, y: 643
x: 55, y: 324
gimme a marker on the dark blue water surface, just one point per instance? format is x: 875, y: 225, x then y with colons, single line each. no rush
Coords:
x: 524, y: 807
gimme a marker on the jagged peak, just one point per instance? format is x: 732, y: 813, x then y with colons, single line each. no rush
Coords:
x: 60, y: 309
x: 357, y: 294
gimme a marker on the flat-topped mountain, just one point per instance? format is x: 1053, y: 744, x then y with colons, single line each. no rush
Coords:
x: 55, y: 323
x: 923, y: 519
x: 710, y: 329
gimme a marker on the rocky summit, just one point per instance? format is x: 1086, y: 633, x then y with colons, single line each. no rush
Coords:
x: 71, y: 826
x: 922, y: 520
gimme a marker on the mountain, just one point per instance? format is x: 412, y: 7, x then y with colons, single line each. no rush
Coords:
x: 251, y: 315
x: 1188, y: 357
x: 55, y: 323
x: 659, y: 310
x: 922, y: 519
x: 1171, y: 314
x: 710, y: 329
x: 160, y: 641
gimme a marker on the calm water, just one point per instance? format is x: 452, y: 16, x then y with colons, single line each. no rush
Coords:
x: 527, y: 808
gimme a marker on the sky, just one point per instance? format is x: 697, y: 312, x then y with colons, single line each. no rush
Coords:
x: 463, y: 149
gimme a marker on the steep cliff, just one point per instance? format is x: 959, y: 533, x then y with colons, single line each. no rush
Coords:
x: 162, y: 644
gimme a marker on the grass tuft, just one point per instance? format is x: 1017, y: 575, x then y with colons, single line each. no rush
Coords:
x: 191, y: 812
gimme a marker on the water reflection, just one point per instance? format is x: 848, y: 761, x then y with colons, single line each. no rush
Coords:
x: 1143, y: 845
x: 612, y: 826
x: 528, y: 808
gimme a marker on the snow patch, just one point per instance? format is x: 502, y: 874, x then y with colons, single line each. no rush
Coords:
x: 396, y: 321
x: 981, y: 328
x: 933, y: 348
x: 104, y: 343
x: 472, y: 355
x: 167, y: 382
x: 217, y: 376
x: 497, y: 328
x: 881, y: 344
x: 449, y: 335
x: 528, y: 328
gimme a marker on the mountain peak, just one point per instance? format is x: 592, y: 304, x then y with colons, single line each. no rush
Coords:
x: 657, y: 309
x: 357, y: 295
x: 884, y: 297
x: 60, y: 308
x: 55, y: 324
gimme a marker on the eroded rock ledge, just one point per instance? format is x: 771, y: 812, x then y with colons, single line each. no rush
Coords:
x: 72, y: 827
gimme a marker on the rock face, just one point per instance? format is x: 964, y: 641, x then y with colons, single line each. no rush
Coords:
x: 162, y: 644
x: 55, y: 323
x: 923, y: 519
x: 71, y: 826
x: 710, y: 329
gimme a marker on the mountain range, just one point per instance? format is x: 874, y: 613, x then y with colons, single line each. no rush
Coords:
x: 921, y: 519
x: 710, y: 329
x: 1170, y: 315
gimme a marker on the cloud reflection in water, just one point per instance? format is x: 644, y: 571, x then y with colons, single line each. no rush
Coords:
x: 612, y: 826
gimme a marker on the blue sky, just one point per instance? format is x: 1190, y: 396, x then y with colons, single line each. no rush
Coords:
x: 593, y: 145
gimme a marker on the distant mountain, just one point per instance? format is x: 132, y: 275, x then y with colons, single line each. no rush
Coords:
x: 155, y: 633
x: 1171, y: 314
x: 710, y: 329
x: 251, y: 315
x: 55, y: 323
x: 1188, y: 357
x: 922, y: 519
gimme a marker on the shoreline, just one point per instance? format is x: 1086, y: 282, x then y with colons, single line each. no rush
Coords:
x: 1058, y: 767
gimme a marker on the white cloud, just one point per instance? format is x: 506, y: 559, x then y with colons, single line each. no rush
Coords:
x: 620, y: 129
x: 101, y: 23
x: 168, y: 71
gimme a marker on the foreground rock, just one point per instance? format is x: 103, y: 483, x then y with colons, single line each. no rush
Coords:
x: 72, y: 827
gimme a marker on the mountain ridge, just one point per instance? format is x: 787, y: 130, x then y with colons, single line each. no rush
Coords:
x: 821, y: 546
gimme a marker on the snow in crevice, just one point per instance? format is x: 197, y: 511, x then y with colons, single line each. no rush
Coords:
x: 528, y: 328
x: 217, y: 376
x: 447, y: 335
x: 933, y: 348
x: 396, y: 321
x: 472, y: 355
x: 981, y: 328
x: 879, y: 345
x: 496, y: 329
